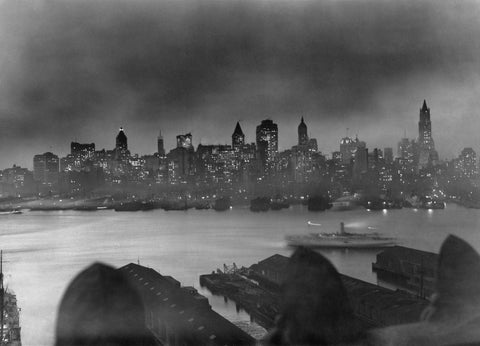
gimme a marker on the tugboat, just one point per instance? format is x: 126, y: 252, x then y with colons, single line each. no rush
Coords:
x: 341, y: 239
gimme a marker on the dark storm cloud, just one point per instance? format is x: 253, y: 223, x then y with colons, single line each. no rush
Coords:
x: 82, y: 68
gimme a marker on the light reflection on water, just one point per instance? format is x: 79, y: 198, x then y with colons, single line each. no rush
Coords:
x: 44, y: 250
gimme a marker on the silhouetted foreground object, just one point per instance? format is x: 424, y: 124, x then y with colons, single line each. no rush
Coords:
x: 453, y: 317
x: 100, y: 307
x: 315, y: 308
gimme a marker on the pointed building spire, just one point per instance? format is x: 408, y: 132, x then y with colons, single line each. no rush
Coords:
x: 238, y: 138
x: 238, y: 130
x: 424, y: 107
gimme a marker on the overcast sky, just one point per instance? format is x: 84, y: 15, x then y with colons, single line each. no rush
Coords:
x: 78, y: 70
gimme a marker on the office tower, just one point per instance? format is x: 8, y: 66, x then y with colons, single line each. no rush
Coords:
x: 46, y: 168
x: 348, y: 147
x: 82, y: 151
x: 302, y: 133
x: 426, y: 145
x: 388, y: 155
x: 121, y: 147
x: 185, y: 141
x: 468, y: 162
x: 121, y: 141
x: 160, y: 145
x: 267, y: 143
x: 360, y: 165
x: 238, y: 138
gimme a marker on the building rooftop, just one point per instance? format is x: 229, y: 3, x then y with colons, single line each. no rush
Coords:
x: 186, y: 312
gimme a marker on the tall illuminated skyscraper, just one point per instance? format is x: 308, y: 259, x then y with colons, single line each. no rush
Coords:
x: 160, y: 145
x: 426, y: 145
x: 267, y: 143
x: 302, y: 133
x: 46, y: 168
x: 121, y: 141
x: 121, y: 147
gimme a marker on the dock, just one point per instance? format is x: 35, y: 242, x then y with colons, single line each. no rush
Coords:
x: 258, y: 291
x: 408, y: 269
x: 178, y: 315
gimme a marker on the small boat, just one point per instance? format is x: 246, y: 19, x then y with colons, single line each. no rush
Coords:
x: 11, y: 212
x: 310, y: 223
x: 341, y: 239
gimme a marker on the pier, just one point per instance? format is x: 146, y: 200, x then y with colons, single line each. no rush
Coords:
x: 408, y: 269
x: 178, y: 315
x: 258, y: 291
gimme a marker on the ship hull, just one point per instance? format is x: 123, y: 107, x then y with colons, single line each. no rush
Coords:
x: 340, y: 243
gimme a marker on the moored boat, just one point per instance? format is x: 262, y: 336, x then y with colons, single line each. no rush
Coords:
x: 260, y: 204
x: 222, y: 204
x: 341, y: 239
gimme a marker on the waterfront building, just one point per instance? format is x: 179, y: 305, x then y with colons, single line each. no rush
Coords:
x: 16, y: 181
x: 160, y: 145
x: 267, y: 144
x: 46, y: 168
x: 426, y: 146
x: 238, y: 138
x: 273, y: 268
x: 408, y: 269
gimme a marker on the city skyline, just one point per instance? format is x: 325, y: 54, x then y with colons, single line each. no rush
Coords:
x: 336, y: 147
x: 201, y: 67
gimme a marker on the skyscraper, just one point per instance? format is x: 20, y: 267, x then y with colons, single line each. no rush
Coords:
x: 45, y: 168
x: 468, y: 162
x: 121, y: 147
x: 267, y: 143
x: 160, y: 146
x: 348, y: 147
x: 302, y: 133
x: 238, y: 138
x: 121, y: 141
x: 185, y: 141
x: 426, y: 146
x: 82, y: 151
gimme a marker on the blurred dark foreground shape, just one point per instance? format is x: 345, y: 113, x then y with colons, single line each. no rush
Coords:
x: 316, y: 310
x: 315, y: 306
x: 100, y: 307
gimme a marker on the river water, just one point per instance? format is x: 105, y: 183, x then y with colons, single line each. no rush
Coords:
x: 44, y: 250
